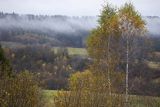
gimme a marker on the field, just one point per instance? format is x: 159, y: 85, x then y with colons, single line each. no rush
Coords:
x: 154, y: 65
x: 74, y: 51
x: 136, y: 101
x: 48, y: 96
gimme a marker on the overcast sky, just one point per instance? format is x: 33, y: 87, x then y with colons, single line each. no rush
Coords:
x: 74, y: 7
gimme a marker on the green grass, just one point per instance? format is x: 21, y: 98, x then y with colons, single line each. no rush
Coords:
x: 77, y: 51
x: 49, y: 93
x: 144, y: 101
x: 154, y: 65
x: 74, y: 51
x: 48, y: 96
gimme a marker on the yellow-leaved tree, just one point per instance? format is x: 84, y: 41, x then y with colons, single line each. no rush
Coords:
x: 113, y: 46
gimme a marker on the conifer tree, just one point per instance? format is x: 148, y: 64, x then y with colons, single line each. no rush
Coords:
x: 5, y: 67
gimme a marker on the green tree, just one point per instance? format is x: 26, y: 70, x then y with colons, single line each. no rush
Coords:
x: 103, y: 44
x: 5, y: 67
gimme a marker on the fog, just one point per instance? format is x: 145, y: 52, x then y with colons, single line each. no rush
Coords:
x: 63, y: 24
x: 59, y: 24
x: 153, y: 25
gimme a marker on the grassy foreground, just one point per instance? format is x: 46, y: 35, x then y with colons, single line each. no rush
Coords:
x: 136, y: 101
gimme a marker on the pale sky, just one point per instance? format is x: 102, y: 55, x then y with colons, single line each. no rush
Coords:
x: 74, y: 7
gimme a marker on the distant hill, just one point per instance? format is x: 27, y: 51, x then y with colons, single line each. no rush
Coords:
x: 21, y: 30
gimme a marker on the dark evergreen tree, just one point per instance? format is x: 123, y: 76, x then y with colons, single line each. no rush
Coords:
x: 5, y: 67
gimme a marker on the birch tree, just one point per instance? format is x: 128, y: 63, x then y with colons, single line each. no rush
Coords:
x: 118, y: 32
x: 132, y: 27
x: 103, y: 44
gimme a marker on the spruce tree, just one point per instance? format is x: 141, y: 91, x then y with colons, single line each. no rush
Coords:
x: 5, y: 67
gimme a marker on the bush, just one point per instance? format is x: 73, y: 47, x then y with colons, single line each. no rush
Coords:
x: 19, y: 91
x: 88, y: 90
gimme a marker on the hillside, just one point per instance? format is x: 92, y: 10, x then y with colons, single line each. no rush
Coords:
x: 32, y: 43
x: 45, y: 30
x: 21, y: 30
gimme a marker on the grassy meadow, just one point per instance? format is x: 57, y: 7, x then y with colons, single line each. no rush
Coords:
x: 74, y: 51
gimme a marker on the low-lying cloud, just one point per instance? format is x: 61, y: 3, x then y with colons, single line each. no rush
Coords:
x: 63, y: 24
x: 59, y: 24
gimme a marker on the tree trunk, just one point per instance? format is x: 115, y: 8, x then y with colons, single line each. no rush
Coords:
x: 108, y: 70
x: 127, y: 70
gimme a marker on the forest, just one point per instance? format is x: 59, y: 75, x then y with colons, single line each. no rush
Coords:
x: 110, y: 60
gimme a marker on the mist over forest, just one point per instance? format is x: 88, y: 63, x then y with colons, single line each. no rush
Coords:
x: 54, y: 30
x: 108, y: 60
x: 29, y: 41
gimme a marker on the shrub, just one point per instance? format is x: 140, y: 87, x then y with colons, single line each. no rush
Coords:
x: 19, y: 91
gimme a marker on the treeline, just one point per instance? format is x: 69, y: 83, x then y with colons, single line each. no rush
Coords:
x: 21, y: 37
x: 40, y: 17
x: 155, y: 43
x: 45, y: 30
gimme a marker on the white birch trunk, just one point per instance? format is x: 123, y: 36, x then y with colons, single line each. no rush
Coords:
x: 127, y: 70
